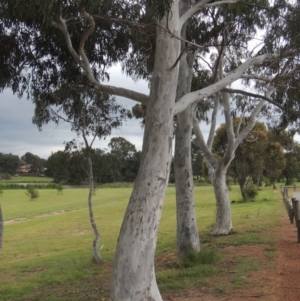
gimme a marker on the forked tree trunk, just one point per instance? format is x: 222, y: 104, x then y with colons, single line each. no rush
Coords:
x: 133, y: 277
x: 223, y: 225
x: 1, y: 228
x: 97, y: 256
x: 187, y: 230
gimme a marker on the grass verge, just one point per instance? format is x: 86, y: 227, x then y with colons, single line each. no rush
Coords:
x: 47, y: 244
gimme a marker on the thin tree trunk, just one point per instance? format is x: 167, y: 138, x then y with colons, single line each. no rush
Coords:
x: 223, y: 224
x: 242, y: 189
x: 97, y: 256
x: 187, y: 230
x: 133, y: 277
x: 1, y: 228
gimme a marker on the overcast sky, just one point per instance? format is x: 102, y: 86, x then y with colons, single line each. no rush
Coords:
x: 19, y: 135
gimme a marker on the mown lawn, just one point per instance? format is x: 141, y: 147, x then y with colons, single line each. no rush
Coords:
x: 47, y: 242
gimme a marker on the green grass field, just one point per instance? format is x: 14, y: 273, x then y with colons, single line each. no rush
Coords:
x: 47, y: 242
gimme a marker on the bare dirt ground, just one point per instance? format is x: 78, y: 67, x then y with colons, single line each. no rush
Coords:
x: 276, y: 282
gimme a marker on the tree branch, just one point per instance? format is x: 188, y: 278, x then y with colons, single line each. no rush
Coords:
x: 200, y: 5
x: 270, y: 100
x: 63, y: 28
x: 90, y: 30
x: 212, y: 130
x: 259, y: 77
x: 251, y: 123
x: 234, y: 75
x: 202, y: 145
x: 229, y: 129
x: 85, y: 64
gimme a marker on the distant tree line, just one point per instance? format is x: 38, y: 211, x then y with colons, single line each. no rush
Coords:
x: 10, y: 164
x: 268, y: 156
x: 119, y: 164
x: 265, y: 156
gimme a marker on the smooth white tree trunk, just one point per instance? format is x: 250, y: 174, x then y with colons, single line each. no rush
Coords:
x: 133, y: 276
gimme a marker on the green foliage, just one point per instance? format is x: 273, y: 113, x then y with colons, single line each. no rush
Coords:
x: 1, y: 191
x: 160, y: 7
x: 192, y: 258
x: 251, y: 192
x: 9, y: 164
x: 32, y: 192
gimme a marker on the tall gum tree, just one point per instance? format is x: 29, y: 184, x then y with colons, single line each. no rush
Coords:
x: 133, y: 271
x: 91, y: 114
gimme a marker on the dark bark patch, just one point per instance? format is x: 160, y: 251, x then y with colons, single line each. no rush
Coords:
x: 186, y: 129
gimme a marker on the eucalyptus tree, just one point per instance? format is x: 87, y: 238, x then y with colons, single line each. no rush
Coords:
x: 228, y: 30
x: 90, y: 113
x: 228, y: 57
x: 77, y: 23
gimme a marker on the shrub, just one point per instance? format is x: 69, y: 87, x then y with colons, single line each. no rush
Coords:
x: 5, y: 176
x: 59, y: 188
x: 32, y: 192
x: 251, y: 192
